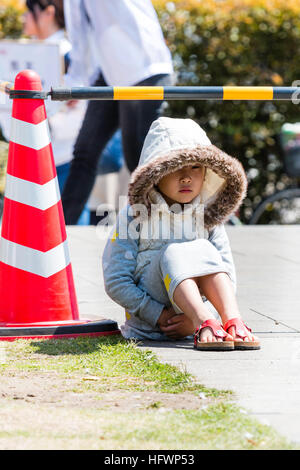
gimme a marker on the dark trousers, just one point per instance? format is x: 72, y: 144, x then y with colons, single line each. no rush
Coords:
x: 101, y: 120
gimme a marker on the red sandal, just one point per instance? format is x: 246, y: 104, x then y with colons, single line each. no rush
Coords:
x: 241, y: 331
x: 218, y: 332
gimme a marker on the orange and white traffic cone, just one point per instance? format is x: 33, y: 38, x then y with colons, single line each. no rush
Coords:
x: 37, y: 292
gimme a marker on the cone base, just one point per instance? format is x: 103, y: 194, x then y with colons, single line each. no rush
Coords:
x: 52, y: 330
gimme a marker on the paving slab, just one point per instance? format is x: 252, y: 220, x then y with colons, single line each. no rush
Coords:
x: 267, y: 382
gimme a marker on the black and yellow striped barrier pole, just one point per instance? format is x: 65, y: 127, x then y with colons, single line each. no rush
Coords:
x: 176, y: 93
x: 223, y: 93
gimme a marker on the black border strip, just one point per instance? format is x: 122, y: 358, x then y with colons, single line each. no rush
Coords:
x: 89, y: 327
x: 82, y: 93
x: 286, y: 93
x: 28, y: 94
x: 193, y: 93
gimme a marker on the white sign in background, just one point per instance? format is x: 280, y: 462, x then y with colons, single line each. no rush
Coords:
x: 45, y: 59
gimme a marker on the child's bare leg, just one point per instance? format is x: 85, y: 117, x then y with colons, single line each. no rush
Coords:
x: 218, y: 289
x: 188, y: 298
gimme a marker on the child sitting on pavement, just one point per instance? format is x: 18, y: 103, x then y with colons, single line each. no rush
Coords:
x: 169, y: 252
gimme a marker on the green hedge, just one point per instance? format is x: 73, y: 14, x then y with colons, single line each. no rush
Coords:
x: 11, y: 18
x: 237, y: 43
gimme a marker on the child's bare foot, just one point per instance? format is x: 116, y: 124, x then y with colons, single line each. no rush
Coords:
x: 249, y: 336
x: 211, y: 336
x: 207, y: 336
x: 241, y: 334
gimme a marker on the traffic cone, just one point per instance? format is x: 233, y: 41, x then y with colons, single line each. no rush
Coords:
x: 37, y: 292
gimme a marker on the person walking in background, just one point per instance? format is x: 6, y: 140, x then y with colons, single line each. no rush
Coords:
x: 44, y: 20
x: 111, y: 182
x: 125, y: 38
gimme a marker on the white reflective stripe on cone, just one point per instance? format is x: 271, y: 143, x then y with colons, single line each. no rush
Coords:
x: 43, y: 264
x: 35, y: 136
x: 40, y: 196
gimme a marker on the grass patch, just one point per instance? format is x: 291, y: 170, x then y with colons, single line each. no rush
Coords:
x: 220, y: 426
x: 105, y: 367
x: 119, y: 363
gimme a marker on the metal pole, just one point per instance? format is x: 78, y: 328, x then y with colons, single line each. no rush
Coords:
x: 176, y: 93
x: 222, y: 93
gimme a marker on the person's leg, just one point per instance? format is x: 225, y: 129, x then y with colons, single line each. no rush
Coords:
x: 62, y: 172
x: 62, y: 175
x: 218, y: 289
x: 136, y: 118
x: 188, y: 298
x: 84, y: 218
x: 180, y: 266
x: 100, y: 122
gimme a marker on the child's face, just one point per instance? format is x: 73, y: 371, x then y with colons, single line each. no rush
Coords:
x: 183, y: 185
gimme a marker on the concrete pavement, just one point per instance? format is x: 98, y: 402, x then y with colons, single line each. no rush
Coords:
x: 266, y: 382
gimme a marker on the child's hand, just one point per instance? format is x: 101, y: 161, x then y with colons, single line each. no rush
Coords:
x: 178, y: 326
x: 166, y: 315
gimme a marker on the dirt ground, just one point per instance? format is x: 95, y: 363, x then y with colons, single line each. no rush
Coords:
x: 51, y: 388
x: 45, y: 410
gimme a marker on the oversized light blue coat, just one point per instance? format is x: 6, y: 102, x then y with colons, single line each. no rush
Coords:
x: 140, y: 271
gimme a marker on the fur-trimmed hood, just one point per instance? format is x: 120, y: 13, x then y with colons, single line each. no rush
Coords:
x: 174, y: 143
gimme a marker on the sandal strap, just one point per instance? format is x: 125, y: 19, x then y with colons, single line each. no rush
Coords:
x: 215, y: 326
x: 240, y: 327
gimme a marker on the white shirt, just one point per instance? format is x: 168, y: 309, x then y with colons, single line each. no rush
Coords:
x: 126, y: 41
x: 59, y: 38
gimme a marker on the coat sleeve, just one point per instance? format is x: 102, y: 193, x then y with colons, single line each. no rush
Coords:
x: 219, y: 238
x: 118, y: 265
